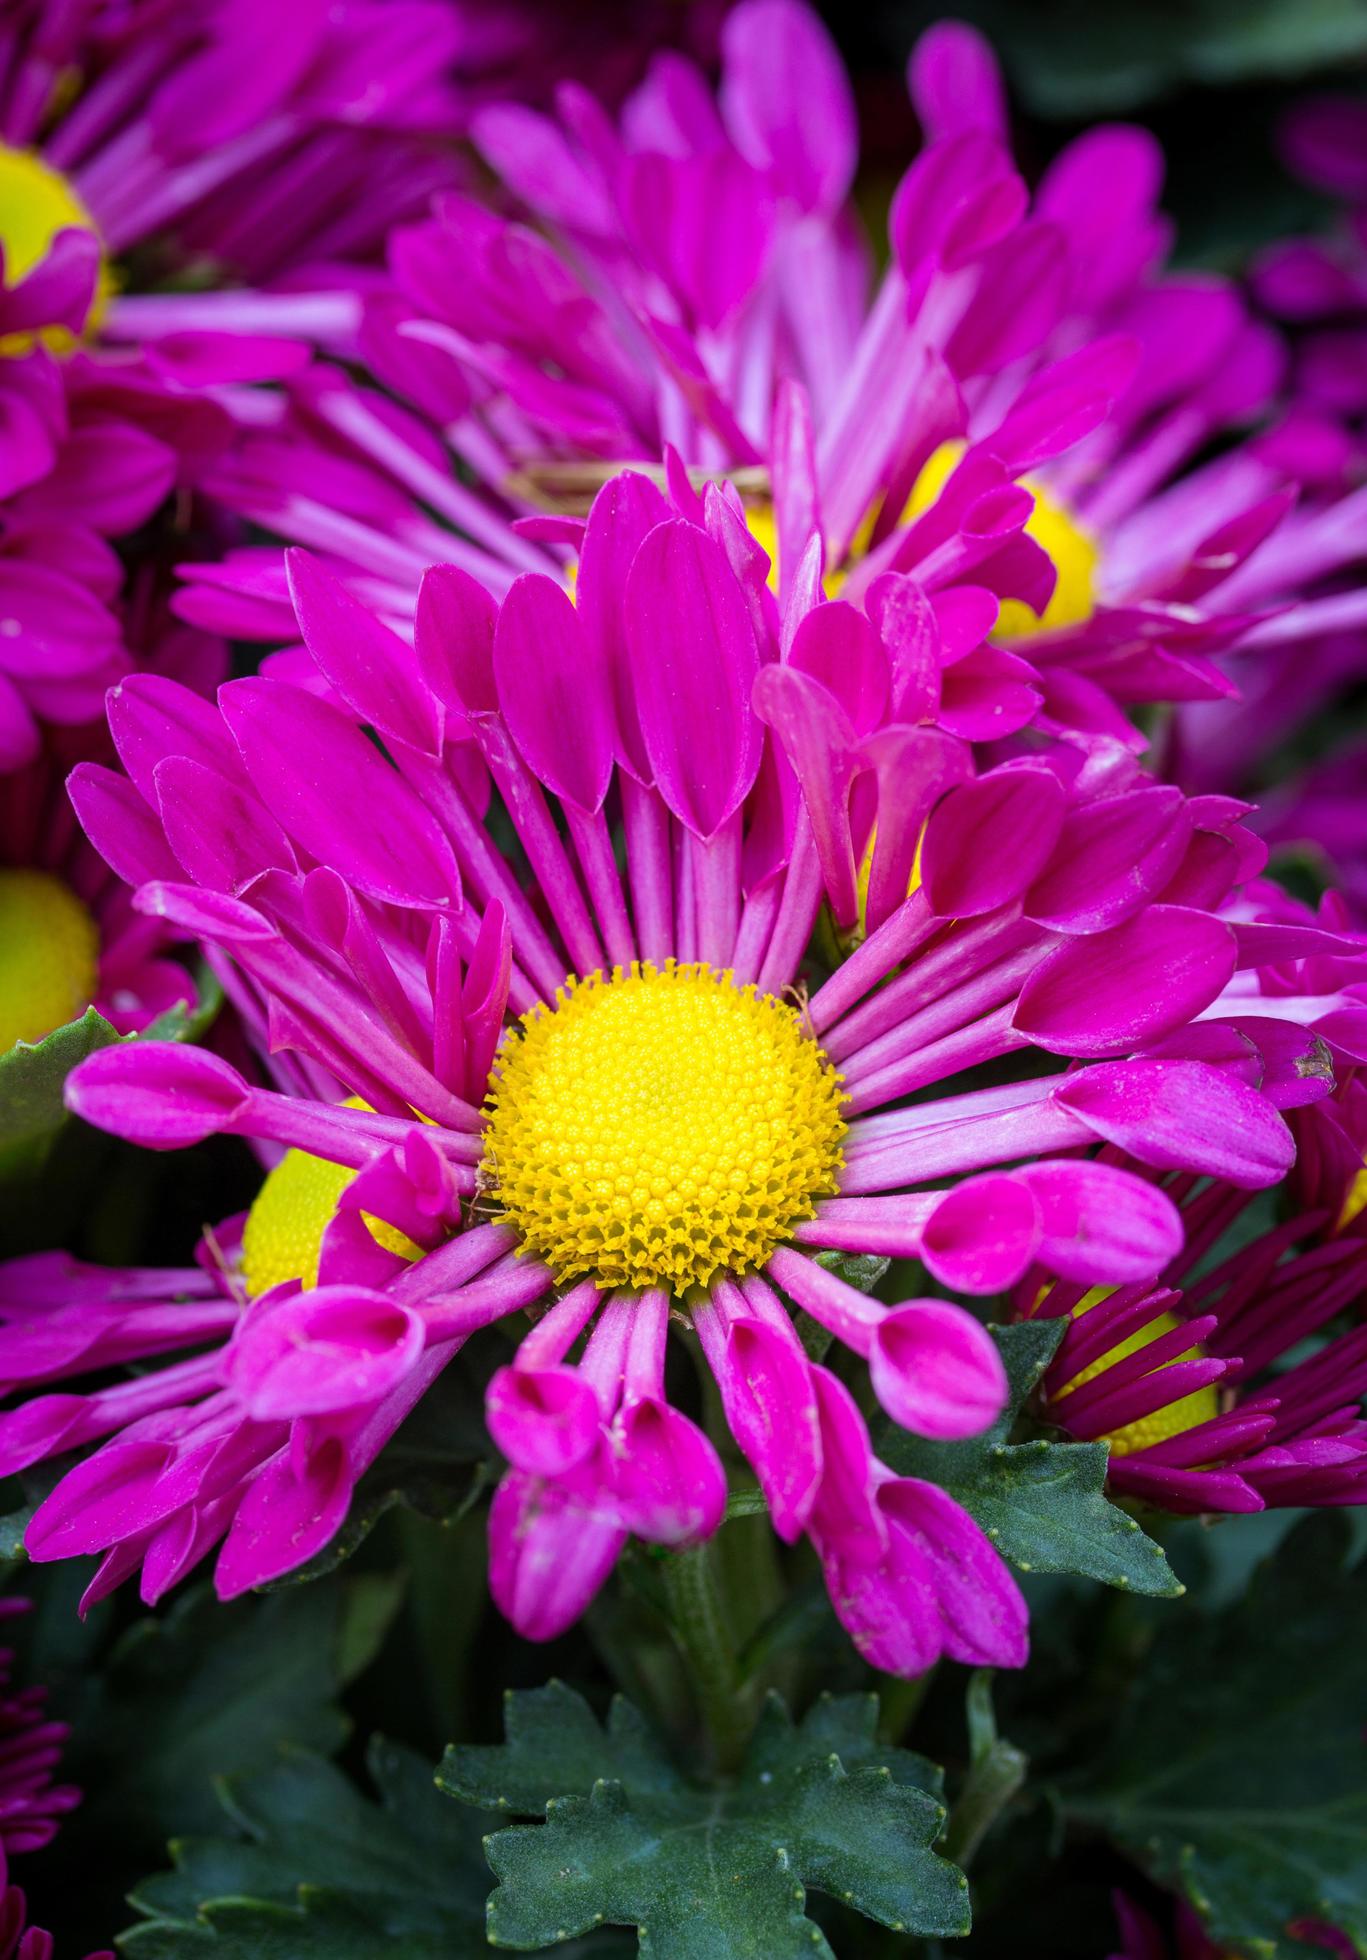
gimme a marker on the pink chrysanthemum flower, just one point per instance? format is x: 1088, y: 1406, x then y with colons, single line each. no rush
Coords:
x: 69, y: 936
x: 31, y: 1804
x: 232, y: 134
x: 1021, y: 403
x: 146, y: 142
x: 592, y: 993
x: 1187, y: 1376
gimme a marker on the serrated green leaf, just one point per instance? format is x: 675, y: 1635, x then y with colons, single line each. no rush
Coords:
x: 1042, y: 1503
x: 33, y: 1075
x: 705, y: 1873
x: 1235, y: 1769
x: 210, y: 1689
x: 318, y: 1867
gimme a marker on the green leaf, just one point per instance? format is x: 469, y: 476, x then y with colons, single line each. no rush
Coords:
x: 33, y: 1075
x: 1234, y: 1769
x: 209, y: 1690
x: 1042, y: 1503
x: 705, y: 1873
x: 318, y: 1867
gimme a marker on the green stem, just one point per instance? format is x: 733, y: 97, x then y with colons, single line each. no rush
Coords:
x: 996, y: 1772
x: 901, y: 1703
x: 708, y: 1646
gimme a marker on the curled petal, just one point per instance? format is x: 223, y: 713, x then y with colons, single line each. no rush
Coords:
x: 336, y: 1347
x: 666, y: 1479
x: 160, y: 1094
x: 936, y: 1370
x: 549, y: 1552
x: 545, y: 1420
x: 982, y: 1235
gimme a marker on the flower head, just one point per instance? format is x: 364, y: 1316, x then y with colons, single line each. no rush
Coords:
x: 678, y: 1123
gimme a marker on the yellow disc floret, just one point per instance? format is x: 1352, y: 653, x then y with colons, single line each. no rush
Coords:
x: 283, y: 1234
x: 660, y: 1127
x: 1073, y: 551
x: 49, y: 954
x: 1173, y: 1418
x: 36, y: 202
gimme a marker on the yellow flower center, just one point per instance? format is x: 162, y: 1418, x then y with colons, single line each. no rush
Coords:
x: 283, y: 1234
x: 36, y: 202
x: 1073, y: 551
x: 660, y: 1127
x: 1356, y: 1200
x: 1174, y: 1418
x: 49, y: 956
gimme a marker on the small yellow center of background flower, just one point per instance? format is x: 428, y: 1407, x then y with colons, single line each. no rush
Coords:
x: 1074, y: 553
x: 36, y: 202
x: 49, y: 956
x: 660, y: 1127
x: 1173, y: 1418
x: 283, y: 1234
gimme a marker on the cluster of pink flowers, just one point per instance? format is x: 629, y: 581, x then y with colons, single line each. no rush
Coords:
x: 697, y: 732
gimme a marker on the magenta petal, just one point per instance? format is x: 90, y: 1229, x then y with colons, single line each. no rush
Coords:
x: 337, y: 1347
x: 955, y: 83
x: 552, y: 690
x: 771, y: 1408
x: 548, y: 1554
x: 545, y: 1420
x: 984, y: 1619
x: 156, y: 1093
x: 845, y: 1517
x: 1180, y: 1115
x: 936, y: 1370
x: 334, y: 794
x: 838, y: 647
x: 1099, y: 1223
x: 119, y: 824
x: 220, y: 831
x: 453, y: 637
x: 695, y: 660
x: 888, y: 1608
x: 989, y: 838
x: 665, y: 1477
x: 982, y: 1235
x: 151, y: 717
x: 104, y: 1499
x: 289, y: 1512
x: 1108, y: 993
x: 1115, y: 853
x: 370, y: 667
x: 788, y: 103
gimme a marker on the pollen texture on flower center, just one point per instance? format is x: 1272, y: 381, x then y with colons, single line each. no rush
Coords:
x: 660, y: 1127
x: 49, y: 950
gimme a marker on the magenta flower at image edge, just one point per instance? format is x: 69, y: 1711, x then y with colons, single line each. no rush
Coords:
x: 1079, y: 891
x: 1079, y: 382
x: 31, y: 1804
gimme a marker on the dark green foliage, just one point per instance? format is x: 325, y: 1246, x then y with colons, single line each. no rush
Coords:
x: 1042, y: 1503
x: 705, y: 1873
x: 1234, y: 1769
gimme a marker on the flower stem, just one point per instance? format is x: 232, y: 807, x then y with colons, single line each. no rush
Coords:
x: 996, y: 1772
x: 702, y: 1630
